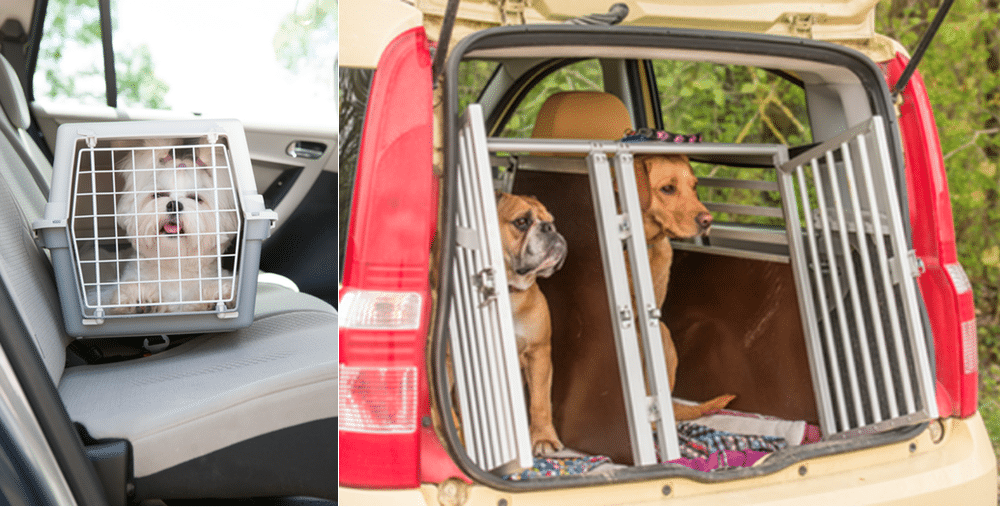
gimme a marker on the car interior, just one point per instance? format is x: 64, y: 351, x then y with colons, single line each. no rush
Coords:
x: 246, y: 414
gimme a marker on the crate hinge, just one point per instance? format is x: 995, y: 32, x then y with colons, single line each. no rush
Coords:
x: 916, y: 264
x: 485, y: 283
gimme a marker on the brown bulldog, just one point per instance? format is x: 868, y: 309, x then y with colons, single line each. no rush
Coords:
x: 532, y: 248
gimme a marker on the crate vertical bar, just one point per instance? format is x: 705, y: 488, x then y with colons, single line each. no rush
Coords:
x: 609, y: 230
x: 647, y: 312
x: 471, y: 390
x: 497, y: 422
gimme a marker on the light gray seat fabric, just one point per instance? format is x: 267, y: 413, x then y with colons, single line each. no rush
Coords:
x: 211, y: 392
x: 18, y: 119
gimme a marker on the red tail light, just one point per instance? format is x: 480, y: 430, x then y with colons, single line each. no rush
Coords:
x: 385, y: 300
x: 944, y: 286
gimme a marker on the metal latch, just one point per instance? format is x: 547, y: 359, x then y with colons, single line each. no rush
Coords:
x: 916, y: 264
x: 625, y: 316
x: 624, y: 227
x: 484, y: 282
x: 653, y: 409
x: 653, y: 313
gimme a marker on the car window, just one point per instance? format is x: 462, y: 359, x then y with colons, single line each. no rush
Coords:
x: 731, y: 103
x: 268, y: 59
x: 473, y: 76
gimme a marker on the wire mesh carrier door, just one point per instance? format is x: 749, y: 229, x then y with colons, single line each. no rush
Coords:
x: 151, y: 220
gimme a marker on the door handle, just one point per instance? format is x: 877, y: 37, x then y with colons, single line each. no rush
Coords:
x: 306, y: 150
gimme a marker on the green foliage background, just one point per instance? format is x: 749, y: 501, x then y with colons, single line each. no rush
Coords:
x: 73, y: 30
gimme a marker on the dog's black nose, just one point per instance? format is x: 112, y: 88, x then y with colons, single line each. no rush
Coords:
x: 175, y: 206
x: 546, y: 227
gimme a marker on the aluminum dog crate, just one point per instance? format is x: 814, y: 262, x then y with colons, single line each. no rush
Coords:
x: 843, y: 236
x: 154, y: 227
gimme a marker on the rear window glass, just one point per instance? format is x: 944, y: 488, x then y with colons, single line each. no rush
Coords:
x: 731, y: 104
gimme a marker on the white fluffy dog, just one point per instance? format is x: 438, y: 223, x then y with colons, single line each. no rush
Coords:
x: 179, y: 213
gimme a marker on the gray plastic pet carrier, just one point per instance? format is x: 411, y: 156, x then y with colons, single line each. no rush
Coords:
x: 154, y: 227
x: 843, y: 236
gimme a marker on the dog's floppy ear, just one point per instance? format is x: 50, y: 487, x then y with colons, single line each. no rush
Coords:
x: 203, y: 154
x: 165, y: 155
x: 639, y: 162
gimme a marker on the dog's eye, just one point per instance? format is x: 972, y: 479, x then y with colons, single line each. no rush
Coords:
x: 668, y: 189
x: 195, y: 197
x: 161, y: 195
x: 522, y: 223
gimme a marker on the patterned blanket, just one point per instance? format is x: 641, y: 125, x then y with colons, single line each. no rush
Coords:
x: 702, y: 448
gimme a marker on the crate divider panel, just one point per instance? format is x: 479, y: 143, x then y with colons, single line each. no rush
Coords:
x: 641, y: 410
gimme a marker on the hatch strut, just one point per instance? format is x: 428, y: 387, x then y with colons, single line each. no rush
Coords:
x: 444, y: 39
x: 904, y: 78
x: 616, y: 13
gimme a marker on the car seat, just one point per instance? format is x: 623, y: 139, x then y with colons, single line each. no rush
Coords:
x: 240, y: 414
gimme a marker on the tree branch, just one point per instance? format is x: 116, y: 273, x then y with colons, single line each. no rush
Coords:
x: 971, y: 142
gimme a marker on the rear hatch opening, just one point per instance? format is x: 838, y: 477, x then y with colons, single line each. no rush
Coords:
x: 815, y: 268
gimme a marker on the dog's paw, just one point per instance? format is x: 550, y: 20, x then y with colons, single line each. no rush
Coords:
x: 545, y: 447
x: 212, y: 292
x: 545, y: 442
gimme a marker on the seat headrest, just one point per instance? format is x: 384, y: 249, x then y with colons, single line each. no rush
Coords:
x: 582, y: 115
x: 12, y: 96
